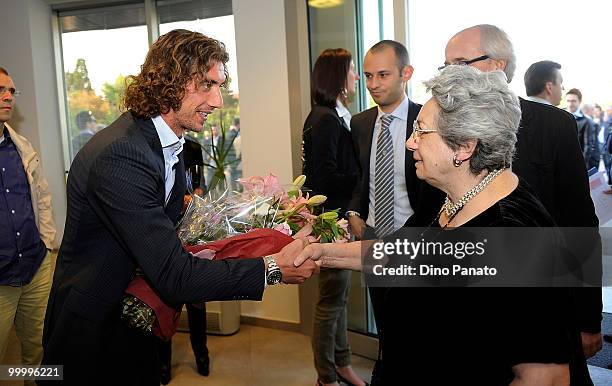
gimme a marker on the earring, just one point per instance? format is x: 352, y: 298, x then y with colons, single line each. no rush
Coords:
x: 344, y: 93
x: 456, y: 162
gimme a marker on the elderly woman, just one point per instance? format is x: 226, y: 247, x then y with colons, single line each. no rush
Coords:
x: 463, y: 143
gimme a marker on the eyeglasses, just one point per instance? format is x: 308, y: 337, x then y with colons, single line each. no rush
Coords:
x: 417, y: 131
x: 465, y: 62
x: 11, y: 91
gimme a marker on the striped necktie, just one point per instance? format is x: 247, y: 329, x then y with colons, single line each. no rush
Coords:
x: 383, y: 180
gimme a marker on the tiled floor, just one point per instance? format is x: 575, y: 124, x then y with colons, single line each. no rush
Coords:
x: 255, y: 356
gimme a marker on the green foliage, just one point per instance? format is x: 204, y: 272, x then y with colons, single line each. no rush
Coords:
x: 79, y: 78
x: 113, y: 94
x: 221, y: 155
x: 326, y: 225
x: 81, y: 96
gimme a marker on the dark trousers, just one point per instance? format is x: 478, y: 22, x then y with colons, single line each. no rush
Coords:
x: 196, y: 316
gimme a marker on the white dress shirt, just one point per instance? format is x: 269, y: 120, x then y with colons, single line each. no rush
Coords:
x: 539, y: 100
x: 401, y: 208
x: 172, y: 146
x: 344, y: 114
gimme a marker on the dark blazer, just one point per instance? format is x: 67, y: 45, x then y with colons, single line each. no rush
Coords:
x: 423, y: 197
x: 116, y: 221
x: 588, y: 131
x: 329, y: 159
x: 549, y: 158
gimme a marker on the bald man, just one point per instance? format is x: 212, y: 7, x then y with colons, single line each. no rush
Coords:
x: 549, y: 159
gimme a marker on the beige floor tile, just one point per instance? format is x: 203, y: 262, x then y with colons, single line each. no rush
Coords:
x: 255, y: 356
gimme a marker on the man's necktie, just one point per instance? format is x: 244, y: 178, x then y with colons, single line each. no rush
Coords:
x: 383, y: 181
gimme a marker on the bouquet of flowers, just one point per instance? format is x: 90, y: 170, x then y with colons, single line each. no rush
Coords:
x: 257, y: 222
x: 264, y: 203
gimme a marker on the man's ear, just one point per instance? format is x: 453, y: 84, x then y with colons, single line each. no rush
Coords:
x: 500, y: 64
x: 548, y: 87
x: 407, y: 73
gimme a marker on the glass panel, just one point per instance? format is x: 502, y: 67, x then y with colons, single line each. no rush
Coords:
x: 356, y: 26
x: 91, y: 40
x: 387, y: 19
x: 427, y: 43
x: 377, y: 24
x: 333, y: 24
x: 222, y: 129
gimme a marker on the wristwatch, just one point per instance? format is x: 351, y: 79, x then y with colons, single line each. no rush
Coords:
x: 273, y: 273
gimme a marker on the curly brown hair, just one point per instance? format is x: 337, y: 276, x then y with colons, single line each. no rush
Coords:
x: 173, y: 60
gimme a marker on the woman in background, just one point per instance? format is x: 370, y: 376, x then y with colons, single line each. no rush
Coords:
x: 331, y: 168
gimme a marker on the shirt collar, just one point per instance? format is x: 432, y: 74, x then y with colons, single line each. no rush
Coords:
x: 400, y: 112
x: 341, y: 109
x: 6, y: 136
x: 539, y: 100
x: 578, y: 114
x: 167, y: 137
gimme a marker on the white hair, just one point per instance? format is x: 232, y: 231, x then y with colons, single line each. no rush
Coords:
x: 495, y: 43
x: 476, y: 105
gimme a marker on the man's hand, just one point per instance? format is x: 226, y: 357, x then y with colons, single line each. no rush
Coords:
x: 591, y: 343
x: 284, y: 259
x: 357, y: 226
x: 541, y: 374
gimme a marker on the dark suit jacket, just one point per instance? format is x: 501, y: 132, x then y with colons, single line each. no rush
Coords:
x: 549, y: 158
x: 116, y: 221
x: 587, y: 136
x: 329, y: 160
x: 423, y: 197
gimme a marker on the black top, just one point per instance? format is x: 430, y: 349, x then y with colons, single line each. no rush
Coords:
x: 473, y: 336
x: 330, y: 164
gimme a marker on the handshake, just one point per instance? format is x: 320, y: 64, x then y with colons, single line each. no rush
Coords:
x: 300, y: 259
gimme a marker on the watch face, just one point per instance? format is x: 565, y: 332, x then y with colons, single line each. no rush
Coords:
x: 274, y: 277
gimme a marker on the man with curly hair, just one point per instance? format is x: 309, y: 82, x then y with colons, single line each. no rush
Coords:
x: 125, y: 193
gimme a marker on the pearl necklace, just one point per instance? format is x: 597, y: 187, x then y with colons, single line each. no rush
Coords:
x: 452, y: 209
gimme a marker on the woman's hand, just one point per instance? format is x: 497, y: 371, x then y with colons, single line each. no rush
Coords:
x: 330, y: 255
x: 540, y: 374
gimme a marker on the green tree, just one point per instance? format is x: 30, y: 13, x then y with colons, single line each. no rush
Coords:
x: 81, y: 96
x: 79, y: 78
x: 113, y: 94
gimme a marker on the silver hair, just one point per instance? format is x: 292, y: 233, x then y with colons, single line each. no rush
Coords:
x: 477, y: 105
x: 495, y: 43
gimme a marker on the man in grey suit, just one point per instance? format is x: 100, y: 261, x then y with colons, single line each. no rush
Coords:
x: 125, y: 194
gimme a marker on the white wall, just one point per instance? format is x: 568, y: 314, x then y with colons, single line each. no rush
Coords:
x: 27, y: 54
x: 268, y: 127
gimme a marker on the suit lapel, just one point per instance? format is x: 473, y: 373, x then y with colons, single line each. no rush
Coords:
x: 150, y: 134
x: 369, y: 133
